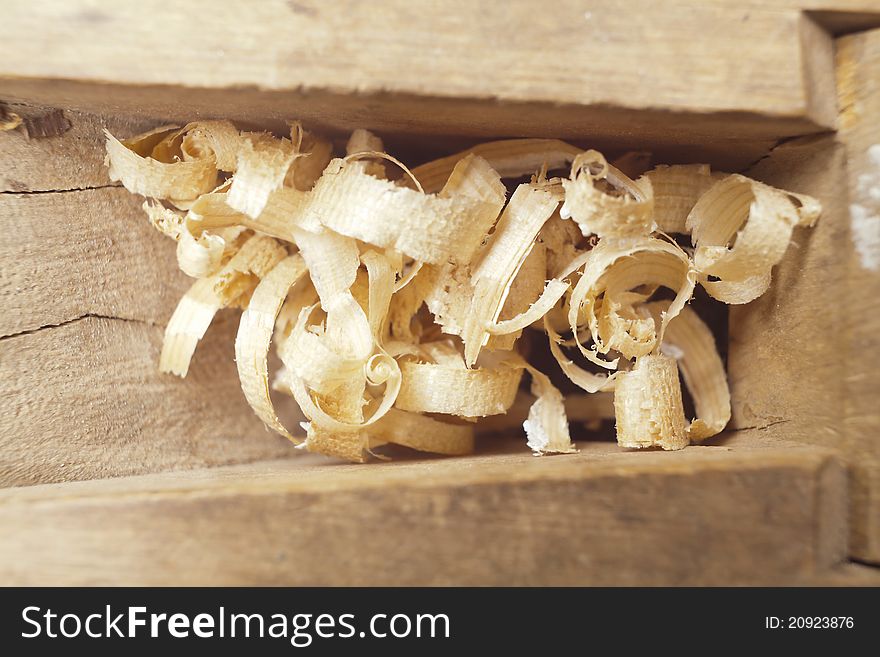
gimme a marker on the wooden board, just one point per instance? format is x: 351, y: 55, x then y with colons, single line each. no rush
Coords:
x: 742, y: 513
x: 86, y: 287
x: 790, y: 362
x: 783, y: 375
x: 73, y: 243
x: 675, y: 74
x: 835, y: 16
x: 672, y: 78
x: 86, y: 400
x: 77, y: 253
x: 72, y: 158
x: 803, y: 358
x: 859, y: 84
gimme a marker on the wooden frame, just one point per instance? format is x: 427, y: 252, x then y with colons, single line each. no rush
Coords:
x: 82, y: 310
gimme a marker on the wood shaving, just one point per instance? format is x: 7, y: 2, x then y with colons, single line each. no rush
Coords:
x: 400, y: 301
x: 8, y: 120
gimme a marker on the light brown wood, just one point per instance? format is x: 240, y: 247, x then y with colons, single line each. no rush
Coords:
x: 785, y: 380
x: 742, y: 513
x: 670, y: 74
x: 859, y: 85
x: 77, y: 253
x: 82, y: 398
x: 86, y: 288
x: 848, y: 574
x: 835, y: 16
x: 788, y: 352
x: 71, y: 160
x: 803, y: 358
x: 86, y: 251
x: 85, y: 400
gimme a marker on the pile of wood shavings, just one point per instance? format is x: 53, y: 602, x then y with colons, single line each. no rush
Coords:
x: 397, y: 306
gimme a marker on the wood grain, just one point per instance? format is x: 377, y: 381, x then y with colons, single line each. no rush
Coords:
x: 835, y: 16
x: 71, y: 160
x: 670, y: 74
x: 85, y: 400
x: 803, y: 358
x: 788, y: 354
x: 86, y: 288
x: 785, y: 380
x: 87, y: 251
x: 745, y: 513
x: 859, y: 87
x: 77, y: 253
x: 82, y: 398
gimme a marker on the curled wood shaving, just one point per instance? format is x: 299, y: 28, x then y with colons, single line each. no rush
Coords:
x: 153, y: 165
x: 604, y: 201
x: 255, y: 334
x: 197, y: 308
x: 740, y: 229
x: 428, y: 228
x: 677, y: 189
x: 401, y: 303
x: 8, y: 120
x: 606, y: 295
x: 454, y: 390
x: 511, y: 158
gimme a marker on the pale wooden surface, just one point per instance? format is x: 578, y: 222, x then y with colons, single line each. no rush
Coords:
x: 742, y: 513
x: 674, y: 75
x: 824, y: 306
x: 859, y: 80
x: 72, y: 160
x: 70, y: 254
x: 86, y: 251
x: 86, y: 400
x: 86, y: 287
x: 821, y: 317
x: 788, y: 354
x: 784, y: 378
x: 835, y: 16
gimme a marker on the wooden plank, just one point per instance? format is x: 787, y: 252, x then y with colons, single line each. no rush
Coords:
x: 783, y: 374
x: 670, y: 74
x: 73, y: 159
x: 91, y: 252
x: 839, y: 22
x: 86, y: 288
x: 85, y: 400
x: 835, y: 16
x: 743, y: 513
x: 87, y: 251
x: 803, y: 357
x: 786, y: 349
x: 859, y: 87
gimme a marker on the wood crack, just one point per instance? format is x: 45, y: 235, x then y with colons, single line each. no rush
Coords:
x: 782, y: 142
x: 73, y: 321
x: 59, y: 191
x: 760, y: 427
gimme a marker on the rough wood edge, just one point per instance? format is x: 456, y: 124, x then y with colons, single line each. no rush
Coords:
x: 817, y: 51
x: 858, y: 66
x: 430, y: 511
